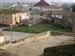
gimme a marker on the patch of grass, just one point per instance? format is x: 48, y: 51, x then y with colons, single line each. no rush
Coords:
x: 39, y: 28
x: 65, y: 50
x: 35, y: 12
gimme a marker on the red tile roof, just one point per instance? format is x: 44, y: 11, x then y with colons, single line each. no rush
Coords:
x: 41, y: 3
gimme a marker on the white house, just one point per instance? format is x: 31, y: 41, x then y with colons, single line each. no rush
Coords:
x: 2, y: 39
x: 25, y: 15
x: 57, y: 13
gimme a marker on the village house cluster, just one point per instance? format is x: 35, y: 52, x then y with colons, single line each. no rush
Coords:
x: 17, y: 14
x: 11, y: 17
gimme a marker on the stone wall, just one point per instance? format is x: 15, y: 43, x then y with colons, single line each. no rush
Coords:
x: 38, y: 37
x: 62, y: 33
x: 30, y: 39
x: 41, y: 36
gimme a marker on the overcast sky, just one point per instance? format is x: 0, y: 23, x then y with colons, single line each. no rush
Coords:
x: 37, y: 0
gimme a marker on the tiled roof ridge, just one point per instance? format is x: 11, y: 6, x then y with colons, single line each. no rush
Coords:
x: 42, y: 3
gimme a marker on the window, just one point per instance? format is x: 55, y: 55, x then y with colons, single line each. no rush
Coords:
x: 3, y: 22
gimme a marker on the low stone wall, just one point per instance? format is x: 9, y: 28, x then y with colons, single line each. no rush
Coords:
x: 62, y: 33
x: 41, y: 36
x: 38, y: 37
x: 30, y: 39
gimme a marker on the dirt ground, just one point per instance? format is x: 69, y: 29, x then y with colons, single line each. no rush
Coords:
x: 36, y: 48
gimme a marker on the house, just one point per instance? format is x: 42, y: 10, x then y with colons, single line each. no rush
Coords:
x: 25, y: 15
x: 10, y: 17
x: 57, y: 13
x: 62, y: 18
x: 2, y: 39
x: 41, y: 3
x: 45, y: 6
x: 16, y: 6
x: 25, y: 18
x: 19, y: 6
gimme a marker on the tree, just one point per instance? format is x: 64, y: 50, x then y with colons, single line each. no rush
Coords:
x: 73, y: 8
x: 73, y: 19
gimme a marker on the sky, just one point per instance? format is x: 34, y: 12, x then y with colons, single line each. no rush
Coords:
x: 36, y: 0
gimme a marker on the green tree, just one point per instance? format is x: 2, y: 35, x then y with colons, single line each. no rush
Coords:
x: 73, y: 8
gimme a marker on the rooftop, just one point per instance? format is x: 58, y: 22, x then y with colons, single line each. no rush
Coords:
x: 9, y: 11
x: 41, y: 3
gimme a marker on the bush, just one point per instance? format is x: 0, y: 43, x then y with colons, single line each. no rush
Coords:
x: 65, y: 50
x: 73, y: 8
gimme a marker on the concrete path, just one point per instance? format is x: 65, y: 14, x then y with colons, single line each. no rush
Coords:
x: 36, y: 48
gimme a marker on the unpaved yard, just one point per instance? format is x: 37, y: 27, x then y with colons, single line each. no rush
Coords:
x: 36, y: 48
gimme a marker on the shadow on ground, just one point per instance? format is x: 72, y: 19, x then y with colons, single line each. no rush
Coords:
x: 41, y: 54
x: 4, y: 52
x: 64, y: 50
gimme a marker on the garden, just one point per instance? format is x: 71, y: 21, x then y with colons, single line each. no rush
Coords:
x: 38, y: 28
